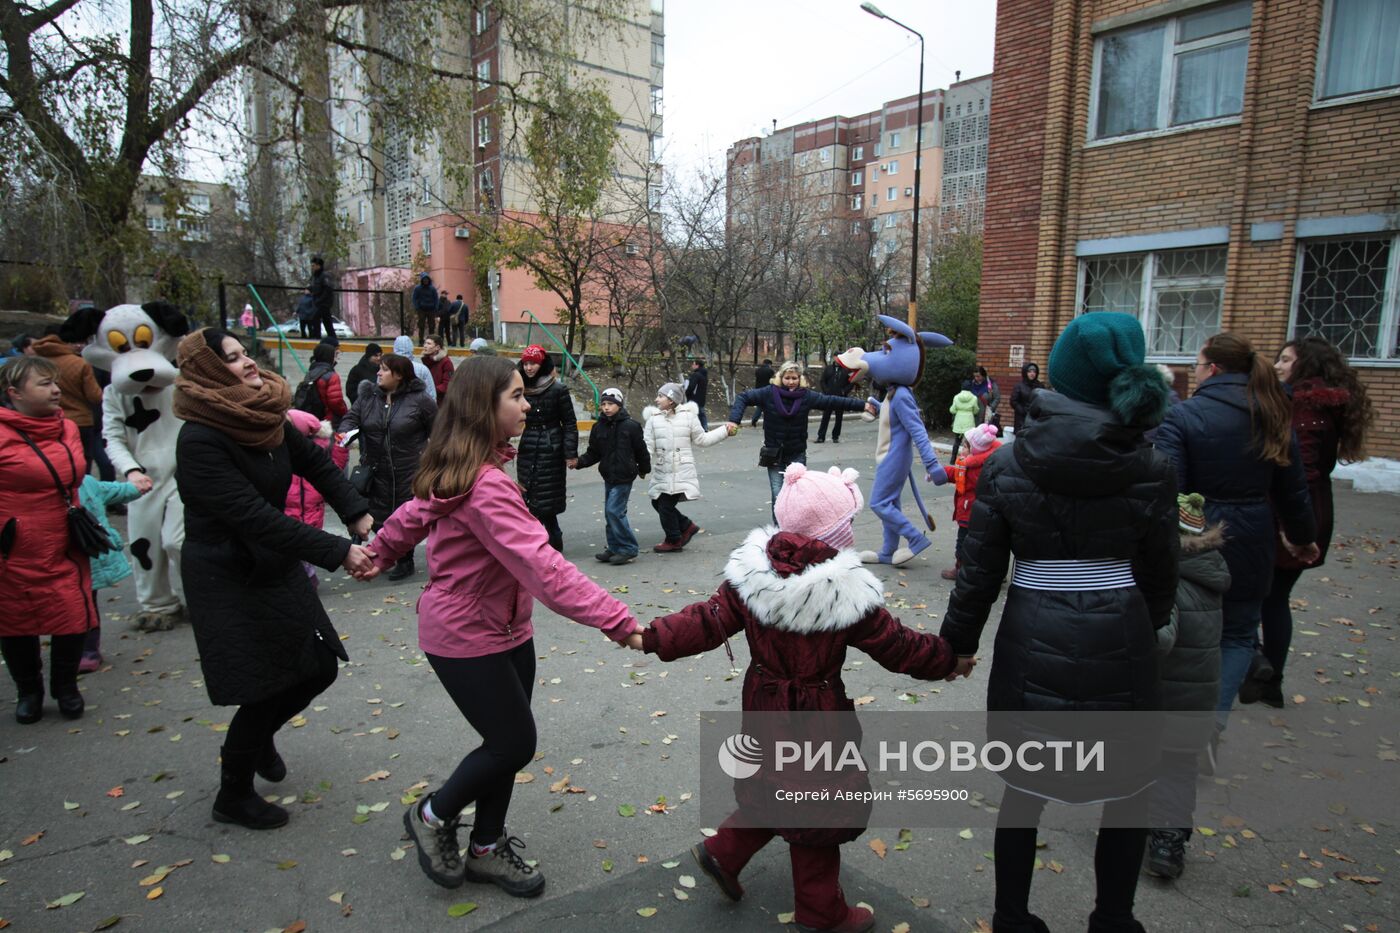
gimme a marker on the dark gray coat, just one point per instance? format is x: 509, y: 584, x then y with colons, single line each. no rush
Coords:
x: 1189, y: 647
x: 550, y: 438
x: 392, y: 439
x: 258, y: 623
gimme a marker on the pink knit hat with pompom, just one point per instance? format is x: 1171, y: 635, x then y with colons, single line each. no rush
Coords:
x: 980, y: 438
x: 819, y: 505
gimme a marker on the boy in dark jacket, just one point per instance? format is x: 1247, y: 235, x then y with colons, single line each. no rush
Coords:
x: 615, y: 444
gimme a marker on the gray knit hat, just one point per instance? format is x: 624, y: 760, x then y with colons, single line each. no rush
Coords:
x: 674, y: 392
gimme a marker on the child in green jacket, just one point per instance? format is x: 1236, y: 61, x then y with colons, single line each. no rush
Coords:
x: 107, y: 569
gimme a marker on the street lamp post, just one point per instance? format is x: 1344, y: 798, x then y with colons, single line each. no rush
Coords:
x: 875, y: 11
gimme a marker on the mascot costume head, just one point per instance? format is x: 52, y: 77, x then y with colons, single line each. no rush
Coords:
x: 898, y: 365
x: 136, y: 344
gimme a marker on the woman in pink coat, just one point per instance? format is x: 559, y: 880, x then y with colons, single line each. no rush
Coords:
x: 46, y: 580
x: 489, y: 559
x: 304, y: 501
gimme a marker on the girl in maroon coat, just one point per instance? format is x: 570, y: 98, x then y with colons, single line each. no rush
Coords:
x: 773, y: 583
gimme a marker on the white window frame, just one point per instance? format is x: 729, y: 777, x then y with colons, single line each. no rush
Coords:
x: 857, y: 153
x: 857, y: 202
x: 1390, y: 302
x: 892, y: 168
x: 1146, y: 313
x: 426, y: 240
x: 483, y: 18
x: 894, y: 140
x: 657, y: 101
x: 824, y: 155
x: 857, y: 178
x: 1323, y: 48
x: 483, y: 130
x: 874, y: 174
x: 427, y: 194
x: 658, y: 51
x: 891, y: 193
x: 483, y: 73
x: 889, y: 220
x: 1166, y: 92
x: 877, y: 151
x: 362, y: 213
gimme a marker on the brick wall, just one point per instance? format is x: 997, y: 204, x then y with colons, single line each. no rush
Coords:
x: 1284, y: 161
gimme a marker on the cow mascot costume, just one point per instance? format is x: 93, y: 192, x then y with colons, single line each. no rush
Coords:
x: 136, y: 344
x: 897, y: 366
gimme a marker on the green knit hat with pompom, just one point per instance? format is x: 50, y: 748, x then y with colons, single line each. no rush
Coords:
x: 1099, y: 359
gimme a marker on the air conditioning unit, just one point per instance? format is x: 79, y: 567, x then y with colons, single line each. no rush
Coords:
x: 632, y: 249
x: 462, y: 233
x: 908, y: 192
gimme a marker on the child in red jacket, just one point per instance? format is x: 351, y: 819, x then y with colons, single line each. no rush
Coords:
x: 801, y: 597
x: 304, y: 503
x: 981, y: 441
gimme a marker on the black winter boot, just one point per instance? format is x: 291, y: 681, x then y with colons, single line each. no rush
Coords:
x: 29, y: 707
x: 65, y: 654
x: 403, y: 569
x: 27, y: 671
x: 270, y: 765
x: 1032, y: 924
x: 237, y: 802
x: 1098, y: 924
x: 1271, y: 694
x: 1166, y: 853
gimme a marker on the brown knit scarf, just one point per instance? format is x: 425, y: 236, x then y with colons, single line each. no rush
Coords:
x: 206, y: 392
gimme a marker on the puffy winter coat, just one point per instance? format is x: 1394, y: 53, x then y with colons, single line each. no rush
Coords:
x: 425, y: 296
x: 1189, y: 648
x: 75, y: 378
x: 1076, y: 486
x: 332, y: 397
x: 1209, y: 439
x: 785, y: 420
x: 366, y: 368
x: 965, y: 490
x: 47, y: 584
x: 697, y: 386
x: 403, y: 346
x: 111, y: 568
x: 258, y: 623
x: 440, y: 367
x: 304, y: 501
x: 670, y: 437
x: 393, y: 435
x: 550, y: 438
x: 1317, y: 411
x: 615, y: 444
x: 488, y: 562
x: 964, y: 412
x: 800, y: 604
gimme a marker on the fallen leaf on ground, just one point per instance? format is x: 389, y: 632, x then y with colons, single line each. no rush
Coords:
x: 878, y: 847
x: 66, y: 900
x: 462, y: 909
x: 376, y: 776
x: 154, y: 893
x: 646, y: 911
x: 30, y: 840
x: 524, y: 777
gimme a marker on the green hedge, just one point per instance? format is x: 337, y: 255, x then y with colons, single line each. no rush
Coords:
x: 944, y: 372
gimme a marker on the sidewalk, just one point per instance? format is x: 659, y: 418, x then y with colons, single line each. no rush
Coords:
x: 104, y: 803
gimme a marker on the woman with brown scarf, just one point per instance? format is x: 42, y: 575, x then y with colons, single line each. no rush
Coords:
x: 265, y: 642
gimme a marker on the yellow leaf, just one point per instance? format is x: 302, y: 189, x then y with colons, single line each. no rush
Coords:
x: 376, y: 776
x: 523, y: 777
x: 646, y: 912
x: 154, y: 893
x: 878, y: 847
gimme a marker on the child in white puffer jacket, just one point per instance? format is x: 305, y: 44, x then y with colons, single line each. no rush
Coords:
x: 669, y: 428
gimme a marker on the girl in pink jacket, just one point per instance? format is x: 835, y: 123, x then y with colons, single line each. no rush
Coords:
x: 488, y: 560
x: 304, y: 503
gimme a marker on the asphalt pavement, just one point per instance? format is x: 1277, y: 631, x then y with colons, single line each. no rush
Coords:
x: 105, y: 823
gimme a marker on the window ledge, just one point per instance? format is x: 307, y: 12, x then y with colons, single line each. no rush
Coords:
x: 1357, y: 98
x: 1169, y: 131
x: 1371, y: 363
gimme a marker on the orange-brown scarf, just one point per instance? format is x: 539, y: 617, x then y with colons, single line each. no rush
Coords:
x: 206, y: 392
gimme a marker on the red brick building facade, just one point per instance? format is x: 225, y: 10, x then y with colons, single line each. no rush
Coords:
x: 1204, y: 165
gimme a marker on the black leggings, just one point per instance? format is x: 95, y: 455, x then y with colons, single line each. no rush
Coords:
x: 26, y: 664
x: 1276, y: 617
x: 254, y: 725
x: 673, y: 523
x: 493, y: 692
x: 1117, y: 859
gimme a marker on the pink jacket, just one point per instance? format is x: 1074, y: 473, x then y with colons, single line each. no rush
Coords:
x: 304, y: 502
x: 488, y: 560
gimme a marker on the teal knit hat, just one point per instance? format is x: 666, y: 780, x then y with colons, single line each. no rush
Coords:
x: 1099, y: 359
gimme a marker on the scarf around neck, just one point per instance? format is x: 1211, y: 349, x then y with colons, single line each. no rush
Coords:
x: 788, y: 401
x: 207, y: 393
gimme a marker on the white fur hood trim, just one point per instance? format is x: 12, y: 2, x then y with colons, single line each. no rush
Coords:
x: 826, y: 597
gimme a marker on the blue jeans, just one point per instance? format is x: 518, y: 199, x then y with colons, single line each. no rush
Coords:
x: 775, y: 481
x: 1237, y: 639
x: 621, y: 540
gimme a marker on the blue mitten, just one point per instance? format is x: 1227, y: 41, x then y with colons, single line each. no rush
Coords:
x: 938, y: 476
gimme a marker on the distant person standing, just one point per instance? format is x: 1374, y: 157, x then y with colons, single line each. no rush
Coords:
x: 322, y: 296
x: 1022, y: 394
x: 366, y: 368
x: 438, y: 362
x: 697, y: 388
x: 762, y: 376
x: 444, y: 317
x: 835, y: 381
x: 424, y: 300
x: 462, y: 315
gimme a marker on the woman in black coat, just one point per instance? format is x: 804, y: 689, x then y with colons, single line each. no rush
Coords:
x: 394, y: 417
x: 1232, y: 441
x: 1021, y: 395
x: 1090, y: 515
x: 265, y: 643
x: 549, y: 445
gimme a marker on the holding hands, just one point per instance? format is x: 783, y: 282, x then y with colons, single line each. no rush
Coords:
x: 359, y: 561
x: 361, y: 526
x: 938, y: 476
x: 634, y: 641
x: 731, y: 427
x: 141, y: 481
x: 962, y: 669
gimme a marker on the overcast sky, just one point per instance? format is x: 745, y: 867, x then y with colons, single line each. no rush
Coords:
x: 734, y: 66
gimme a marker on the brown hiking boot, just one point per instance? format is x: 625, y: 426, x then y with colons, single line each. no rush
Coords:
x: 504, y: 868
x: 668, y: 547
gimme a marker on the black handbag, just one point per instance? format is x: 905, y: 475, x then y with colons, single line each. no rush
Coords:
x: 361, y: 477
x: 84, y: 531
x: 769, y: 456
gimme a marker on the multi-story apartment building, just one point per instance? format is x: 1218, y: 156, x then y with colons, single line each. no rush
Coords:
x: 405, y: 195
x: 1204, y: 165
x: 853, y: 174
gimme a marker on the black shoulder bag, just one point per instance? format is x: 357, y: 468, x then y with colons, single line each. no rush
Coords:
x: 84, y: 531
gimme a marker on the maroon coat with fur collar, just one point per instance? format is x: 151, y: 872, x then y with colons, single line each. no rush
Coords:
x: 800, y: 603
x: 1317, y: 408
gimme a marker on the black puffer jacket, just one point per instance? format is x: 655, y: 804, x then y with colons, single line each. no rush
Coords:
x: 1021, y: 395
x: 392, y: 439
x: 1209, y: 439
x: 550, y: 438
x: 616, y: 445
x: 259, y: 626
x: 1190, y: 669
x: 788, y: 431
x: 1076, y: 485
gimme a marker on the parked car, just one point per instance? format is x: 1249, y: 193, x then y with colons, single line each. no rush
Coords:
x: 293, y: 327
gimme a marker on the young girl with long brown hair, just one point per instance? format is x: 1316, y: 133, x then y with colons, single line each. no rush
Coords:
x: 1233, y: 442
x: 1331, y: 414
x: 488, y: 560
